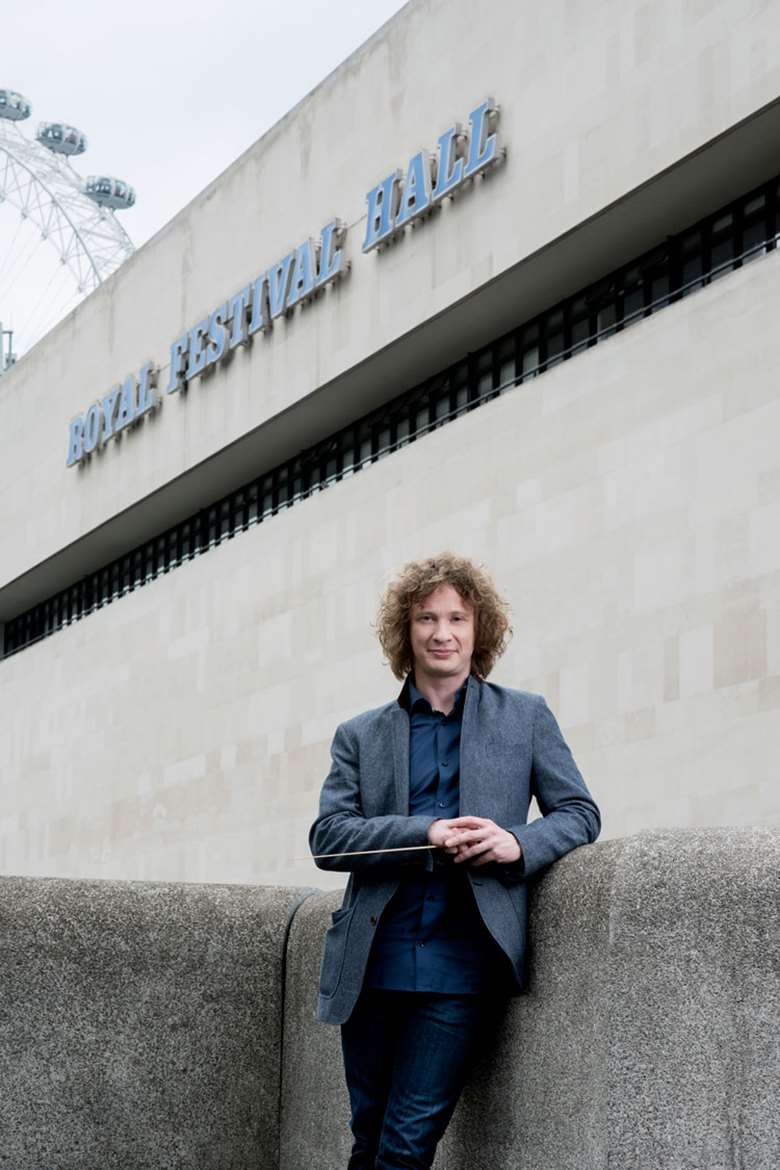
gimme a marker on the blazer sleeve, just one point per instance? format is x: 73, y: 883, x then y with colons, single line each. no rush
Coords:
x: 570, y: 816
x: 341, y: 827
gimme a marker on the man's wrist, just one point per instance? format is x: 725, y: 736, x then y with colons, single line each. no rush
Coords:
x: 514, y: 870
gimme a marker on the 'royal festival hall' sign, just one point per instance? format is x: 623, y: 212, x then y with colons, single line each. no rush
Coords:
x: 402, y: 198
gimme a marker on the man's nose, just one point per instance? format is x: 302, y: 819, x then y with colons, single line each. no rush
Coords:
x: 441, y: 634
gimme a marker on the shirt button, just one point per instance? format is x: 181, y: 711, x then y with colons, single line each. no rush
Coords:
x: 444, y: 764
x: 373, y: 919
x: 421, y: 944
x: 442, y: 804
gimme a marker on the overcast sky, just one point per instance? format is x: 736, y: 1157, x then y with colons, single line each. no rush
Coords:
x: 168, y: 93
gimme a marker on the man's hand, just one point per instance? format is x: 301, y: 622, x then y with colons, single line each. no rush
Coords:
x: 439, y: 831
x: 477, y: 840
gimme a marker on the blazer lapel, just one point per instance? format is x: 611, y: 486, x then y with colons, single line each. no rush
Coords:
x: 469, y: 748
x: 400, y: 733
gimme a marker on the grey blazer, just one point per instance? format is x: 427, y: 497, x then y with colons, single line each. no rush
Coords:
x: 511, y: 749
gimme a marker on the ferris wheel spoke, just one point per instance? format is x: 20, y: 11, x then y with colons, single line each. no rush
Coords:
x: 51, y: 309
x: 27, y: 324
x: 10, y: 248
x: 20, y: 264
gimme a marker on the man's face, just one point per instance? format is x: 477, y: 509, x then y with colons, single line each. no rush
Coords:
x: 442, y: 634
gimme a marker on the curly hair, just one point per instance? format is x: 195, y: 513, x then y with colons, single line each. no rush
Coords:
x: 416, y: 581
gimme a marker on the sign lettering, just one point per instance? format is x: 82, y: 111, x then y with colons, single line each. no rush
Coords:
x: 403, y: 198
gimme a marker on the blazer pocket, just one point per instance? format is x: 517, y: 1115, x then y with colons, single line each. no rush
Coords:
x: 335, y: 950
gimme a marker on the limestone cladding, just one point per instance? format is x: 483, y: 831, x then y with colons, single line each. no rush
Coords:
x: 628, y: 503
x: 597, y: 98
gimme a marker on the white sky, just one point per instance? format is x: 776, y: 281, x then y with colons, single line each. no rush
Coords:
x: 168, y: 93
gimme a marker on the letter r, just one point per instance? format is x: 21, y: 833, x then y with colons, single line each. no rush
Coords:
x: 76, y: 440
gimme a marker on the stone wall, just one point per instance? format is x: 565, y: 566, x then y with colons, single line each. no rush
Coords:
x: 140, y: 1025
x: 627, y: 501
x: 646, y: 87
x: 158, y: 1026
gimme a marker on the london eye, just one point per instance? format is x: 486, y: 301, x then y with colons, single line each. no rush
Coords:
x: 64, y: 236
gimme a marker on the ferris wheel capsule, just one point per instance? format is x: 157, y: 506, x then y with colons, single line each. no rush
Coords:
x: 61, y: 139
x: 14, y: 106
x: 56, y: 210
x: 109, y: 192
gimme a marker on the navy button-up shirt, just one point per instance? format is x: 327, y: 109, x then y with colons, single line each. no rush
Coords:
x: 431, y: 936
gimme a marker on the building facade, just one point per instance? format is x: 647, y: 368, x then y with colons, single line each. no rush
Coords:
x: 503, y: 283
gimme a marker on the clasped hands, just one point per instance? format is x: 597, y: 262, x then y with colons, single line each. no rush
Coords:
x: 477, y: 840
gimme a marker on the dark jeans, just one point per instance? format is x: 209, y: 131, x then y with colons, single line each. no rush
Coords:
x: 407, y: 1055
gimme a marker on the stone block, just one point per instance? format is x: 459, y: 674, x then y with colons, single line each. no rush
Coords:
x: 140, y: 1024
x: 647, y: 1037
x: 315, y: 1113
x: 740, y: 646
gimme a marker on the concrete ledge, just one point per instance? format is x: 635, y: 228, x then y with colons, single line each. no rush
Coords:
x: 648, y: 1037
x: 315, y: 1113
x: 140, y: 1024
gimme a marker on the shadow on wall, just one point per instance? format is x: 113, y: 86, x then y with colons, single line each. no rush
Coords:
x: 146, y: 1025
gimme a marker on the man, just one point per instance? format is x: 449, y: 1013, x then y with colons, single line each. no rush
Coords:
x: 426, y: 806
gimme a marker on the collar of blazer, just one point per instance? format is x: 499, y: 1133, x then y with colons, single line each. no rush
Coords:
x: 469, y: 748
x: 404, y: 701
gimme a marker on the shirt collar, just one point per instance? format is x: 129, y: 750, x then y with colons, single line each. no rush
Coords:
x: 410, y: 696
